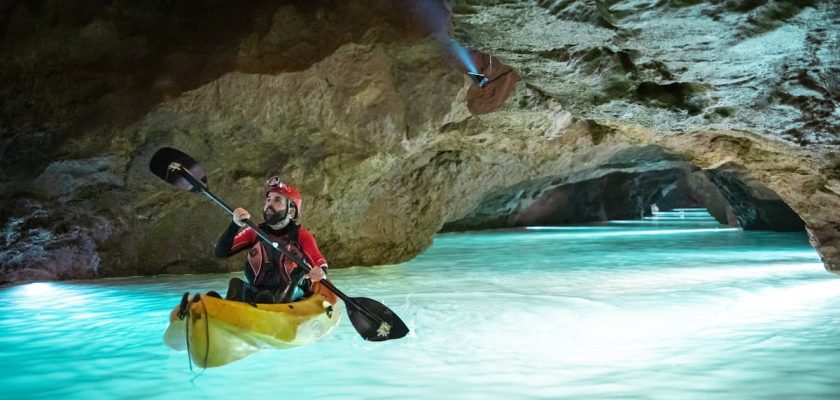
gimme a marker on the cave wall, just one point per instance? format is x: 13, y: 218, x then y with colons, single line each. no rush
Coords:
x: 728, y: 193
x: 388, y: 139
x: 75, y: 73
x: 614, y: 196
x: 754, y: 205
x: 761, y: 92
x: 696, y: 190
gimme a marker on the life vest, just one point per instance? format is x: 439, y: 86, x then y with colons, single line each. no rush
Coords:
x: 270, y: 269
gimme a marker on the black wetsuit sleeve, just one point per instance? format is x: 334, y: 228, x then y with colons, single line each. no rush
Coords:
x: 225, y: 242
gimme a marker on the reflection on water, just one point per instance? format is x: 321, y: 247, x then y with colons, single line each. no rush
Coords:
x: 654, y: 310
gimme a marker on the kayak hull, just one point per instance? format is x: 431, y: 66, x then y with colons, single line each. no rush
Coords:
x: 217, y: 331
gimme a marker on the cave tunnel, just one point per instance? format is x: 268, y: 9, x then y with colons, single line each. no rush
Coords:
x: 729, y: 194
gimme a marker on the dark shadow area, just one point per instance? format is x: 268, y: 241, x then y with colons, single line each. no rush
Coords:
x: 754, y: 206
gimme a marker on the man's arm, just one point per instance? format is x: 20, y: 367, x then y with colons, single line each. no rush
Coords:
x: 233, y: 241
x: 310, y: 249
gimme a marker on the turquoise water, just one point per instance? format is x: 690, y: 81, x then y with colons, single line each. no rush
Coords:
x: 656, y: 309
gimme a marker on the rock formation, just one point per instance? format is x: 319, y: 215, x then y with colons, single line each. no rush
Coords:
x: 722, y: 83
x: 593, y: 108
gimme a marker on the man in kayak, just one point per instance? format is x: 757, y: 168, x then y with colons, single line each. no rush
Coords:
x: 270, y: 276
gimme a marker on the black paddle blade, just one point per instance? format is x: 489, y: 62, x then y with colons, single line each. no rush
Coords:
x: 167, y: 161
x: 388, y: 326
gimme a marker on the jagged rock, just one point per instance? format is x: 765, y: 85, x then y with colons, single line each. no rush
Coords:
x: 767, y: 68
x: 755, y: 206
x: 57, y: 227
x: 595, y: 12
x: 42, y: 244
x: 805, y: 179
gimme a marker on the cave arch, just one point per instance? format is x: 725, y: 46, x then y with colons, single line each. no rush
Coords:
x: 626, y: 191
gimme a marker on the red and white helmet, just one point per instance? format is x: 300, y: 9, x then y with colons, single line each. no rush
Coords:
x: 274, y: 184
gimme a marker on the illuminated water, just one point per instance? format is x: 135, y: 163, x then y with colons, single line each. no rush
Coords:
x: 634, y: 310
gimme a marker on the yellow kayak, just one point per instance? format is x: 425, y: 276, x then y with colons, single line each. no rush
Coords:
x: 218, y: 331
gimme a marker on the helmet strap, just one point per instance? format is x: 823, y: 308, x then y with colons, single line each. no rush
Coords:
x: 291, y: 206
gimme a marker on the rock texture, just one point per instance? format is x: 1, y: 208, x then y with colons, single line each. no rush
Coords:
x: 622, y: 187
x: 754, y: 205
x: 766, y: 67
x: 594, y: 109
x: 735, y: 79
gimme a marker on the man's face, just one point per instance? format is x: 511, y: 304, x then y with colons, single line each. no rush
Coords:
x: 275, y: 204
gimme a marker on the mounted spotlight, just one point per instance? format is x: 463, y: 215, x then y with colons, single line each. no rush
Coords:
x: 480, y: 79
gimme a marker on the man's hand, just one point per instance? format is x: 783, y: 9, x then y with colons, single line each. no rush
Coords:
x: 316, y: 274
x: 240, y: 214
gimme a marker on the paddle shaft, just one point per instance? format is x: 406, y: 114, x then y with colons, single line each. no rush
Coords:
x: 347, y: 299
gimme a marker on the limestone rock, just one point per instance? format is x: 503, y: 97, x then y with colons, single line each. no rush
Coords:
x: 763, y: 67
x: 387, y: 138
x: 49, y: 244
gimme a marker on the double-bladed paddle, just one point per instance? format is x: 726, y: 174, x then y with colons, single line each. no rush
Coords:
x: 372, y: 319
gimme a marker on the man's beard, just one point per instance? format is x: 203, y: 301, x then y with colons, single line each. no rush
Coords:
x: 272, y: 217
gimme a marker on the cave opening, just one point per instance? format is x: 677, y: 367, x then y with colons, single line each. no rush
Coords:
x: 728, y: 194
